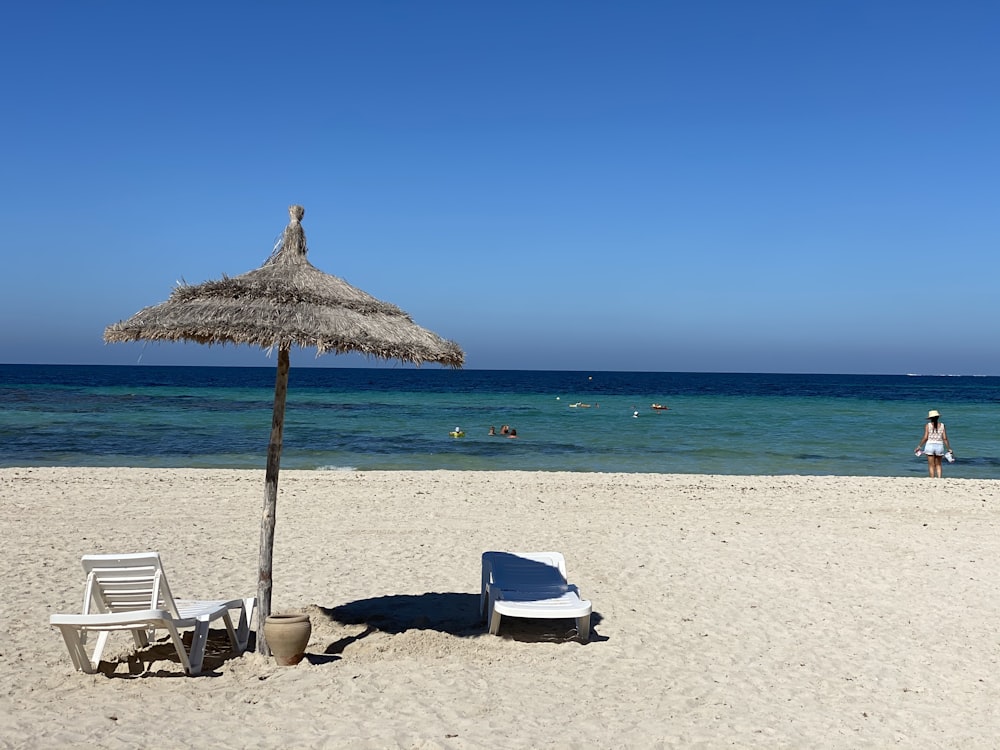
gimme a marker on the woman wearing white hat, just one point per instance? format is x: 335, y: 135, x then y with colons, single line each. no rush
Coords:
x: 934, y: 442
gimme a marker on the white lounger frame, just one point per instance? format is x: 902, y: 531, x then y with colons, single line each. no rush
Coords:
x: 530, y: 584
x: 129, y: 592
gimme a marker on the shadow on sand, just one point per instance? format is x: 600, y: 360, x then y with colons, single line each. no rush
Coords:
x: 138, y: 663
x: 453, y: 613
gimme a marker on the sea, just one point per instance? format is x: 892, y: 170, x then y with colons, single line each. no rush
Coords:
x: 401, y: 418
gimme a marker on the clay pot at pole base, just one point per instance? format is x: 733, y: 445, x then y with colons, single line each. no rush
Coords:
x: 287, y: 637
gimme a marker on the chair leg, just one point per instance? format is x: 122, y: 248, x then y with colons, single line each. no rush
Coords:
x: 199, y: 639
x: 240, y: 635
x: 243, y: 629
x: 141, y: 636
x: 583, y: 628
x: 234, y: 643
x: 77, y: 651
x: 175, y: 638
x: 495, y: 623
x: 102, y: 639
x: 76, y: 644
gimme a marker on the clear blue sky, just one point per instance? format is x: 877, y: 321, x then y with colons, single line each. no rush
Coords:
x: 767, y: 186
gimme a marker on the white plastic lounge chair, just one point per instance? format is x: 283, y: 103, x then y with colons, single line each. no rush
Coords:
x: 130, y: 592
x: 530, y: 584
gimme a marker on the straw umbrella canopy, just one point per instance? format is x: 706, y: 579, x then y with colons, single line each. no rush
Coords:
x: 286, y: 302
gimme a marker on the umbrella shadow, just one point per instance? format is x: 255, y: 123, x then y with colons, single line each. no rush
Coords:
x: 453, y: 613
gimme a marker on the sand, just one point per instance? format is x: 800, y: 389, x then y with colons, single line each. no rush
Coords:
x: 729, y: 611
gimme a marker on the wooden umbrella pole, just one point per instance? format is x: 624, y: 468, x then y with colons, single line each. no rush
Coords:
x: 264, y: 581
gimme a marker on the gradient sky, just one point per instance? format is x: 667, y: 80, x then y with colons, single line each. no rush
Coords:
x: 767, y: 186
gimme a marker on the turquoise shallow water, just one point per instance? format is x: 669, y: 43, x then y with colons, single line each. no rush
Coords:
x: 389, y: 419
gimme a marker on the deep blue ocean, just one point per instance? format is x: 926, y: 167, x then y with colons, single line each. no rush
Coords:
x: 400, y: 418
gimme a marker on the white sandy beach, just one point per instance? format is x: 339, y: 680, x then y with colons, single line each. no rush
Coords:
x: 758, y: 612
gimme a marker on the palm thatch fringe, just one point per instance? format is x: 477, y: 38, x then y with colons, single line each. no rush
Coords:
x: 287, y: 302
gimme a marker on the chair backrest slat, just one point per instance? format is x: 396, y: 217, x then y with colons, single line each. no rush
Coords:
x: 127, y: 583
x: 533, y: 569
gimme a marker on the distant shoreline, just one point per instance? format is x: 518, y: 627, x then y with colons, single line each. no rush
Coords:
x: 325, y: 364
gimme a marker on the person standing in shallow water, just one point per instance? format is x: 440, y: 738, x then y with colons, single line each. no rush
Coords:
x: 934, y: 442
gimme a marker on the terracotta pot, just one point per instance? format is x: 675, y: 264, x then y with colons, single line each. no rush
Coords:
x: 287, y: 637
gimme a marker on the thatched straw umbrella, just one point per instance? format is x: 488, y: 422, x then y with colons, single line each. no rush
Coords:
x: 286, y: 302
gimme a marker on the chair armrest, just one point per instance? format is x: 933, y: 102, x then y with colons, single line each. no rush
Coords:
x: 146, y: 618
